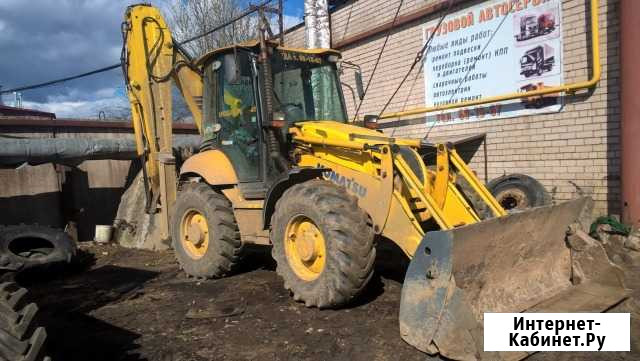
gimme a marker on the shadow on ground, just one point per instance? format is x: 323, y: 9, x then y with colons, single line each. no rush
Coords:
x: 124, y: 304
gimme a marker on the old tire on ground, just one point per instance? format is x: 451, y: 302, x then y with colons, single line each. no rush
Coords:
x: 20, y: 338
x: 323, y: 243
x: 204, y: 232
x: 516, y: 192
x: 27, y: 246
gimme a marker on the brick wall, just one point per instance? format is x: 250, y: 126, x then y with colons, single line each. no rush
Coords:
x: 575, y: 151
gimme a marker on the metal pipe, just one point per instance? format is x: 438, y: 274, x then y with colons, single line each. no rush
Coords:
x: 14, y: 152
x: 630, y: 104
x: 317, y: 28
x: 566, y: 88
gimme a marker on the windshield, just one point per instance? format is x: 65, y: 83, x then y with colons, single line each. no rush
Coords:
x: 306, y: 87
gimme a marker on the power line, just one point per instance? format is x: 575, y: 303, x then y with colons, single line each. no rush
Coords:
x: 419, y: 56
x: 250, y: 10
x: 375, y: 67
x: 40, y: 85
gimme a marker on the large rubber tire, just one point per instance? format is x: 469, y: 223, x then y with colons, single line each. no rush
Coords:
x: 349, y: 243
x: 224, y: 245
x: 20, y: 339
x: 26, y: 246
x: 517, y: 192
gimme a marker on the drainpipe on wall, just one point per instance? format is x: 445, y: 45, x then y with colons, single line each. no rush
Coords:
x: 630, y: 104
x: 317, y: 29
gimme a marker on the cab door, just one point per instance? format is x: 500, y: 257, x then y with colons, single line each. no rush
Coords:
x: 230, y: 102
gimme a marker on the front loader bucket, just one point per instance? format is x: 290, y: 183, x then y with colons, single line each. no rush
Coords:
x: 535, y: 261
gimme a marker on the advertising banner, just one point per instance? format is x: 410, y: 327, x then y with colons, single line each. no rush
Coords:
x: 494, y: 48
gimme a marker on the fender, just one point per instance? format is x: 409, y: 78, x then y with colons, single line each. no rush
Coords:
x: 212, y: 165
x: 281, y: 184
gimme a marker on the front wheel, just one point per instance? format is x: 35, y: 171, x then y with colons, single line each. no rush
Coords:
x: 323, y: 244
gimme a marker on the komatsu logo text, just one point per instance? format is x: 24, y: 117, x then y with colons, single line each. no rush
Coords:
x: 350, y: 184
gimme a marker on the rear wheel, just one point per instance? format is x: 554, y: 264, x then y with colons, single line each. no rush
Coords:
x: 323, y: 244
x: 204, y: 232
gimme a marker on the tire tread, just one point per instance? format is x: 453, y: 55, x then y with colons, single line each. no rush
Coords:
x: 20, y: 339
x: 225, y: 246
x: 349, y: 239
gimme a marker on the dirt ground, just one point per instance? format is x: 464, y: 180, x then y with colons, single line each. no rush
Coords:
x: 115, y: 303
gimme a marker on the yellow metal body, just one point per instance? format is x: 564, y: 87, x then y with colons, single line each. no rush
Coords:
x: 365, y: 162
x: 213, y: 166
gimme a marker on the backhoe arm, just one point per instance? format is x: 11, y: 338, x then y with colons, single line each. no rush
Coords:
x: 151, y: 61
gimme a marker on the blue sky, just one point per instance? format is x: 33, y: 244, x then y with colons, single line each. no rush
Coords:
x: 294, y: 7
x: 50, y: 39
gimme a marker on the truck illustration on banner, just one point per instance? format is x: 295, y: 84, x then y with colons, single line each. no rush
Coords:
x: 537, y: 61
x: 532, y: 26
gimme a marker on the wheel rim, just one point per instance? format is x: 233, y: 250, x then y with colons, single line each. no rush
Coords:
x: 305, y: 248
x: 513, y: 199
x: 194, y: 234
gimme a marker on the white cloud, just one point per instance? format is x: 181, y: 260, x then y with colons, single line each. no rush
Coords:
x: 73, y: 105
x: 48, y: 39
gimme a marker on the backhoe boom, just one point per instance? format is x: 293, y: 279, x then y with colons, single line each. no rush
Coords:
x: 152, y: 63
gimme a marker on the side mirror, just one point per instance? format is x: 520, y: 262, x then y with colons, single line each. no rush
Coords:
x: 371, y: 121
x: 359, y: 86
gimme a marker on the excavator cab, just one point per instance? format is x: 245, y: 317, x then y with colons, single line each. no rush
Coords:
x: 305, y: 86
x: 230, y: 108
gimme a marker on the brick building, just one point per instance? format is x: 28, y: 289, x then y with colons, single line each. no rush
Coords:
x: 571, y: 151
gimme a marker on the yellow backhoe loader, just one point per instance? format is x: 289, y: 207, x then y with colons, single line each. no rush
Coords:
x: 279, y: 164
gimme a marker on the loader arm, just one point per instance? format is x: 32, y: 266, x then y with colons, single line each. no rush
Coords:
x: 464, y: 262
x: 152, y: 62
